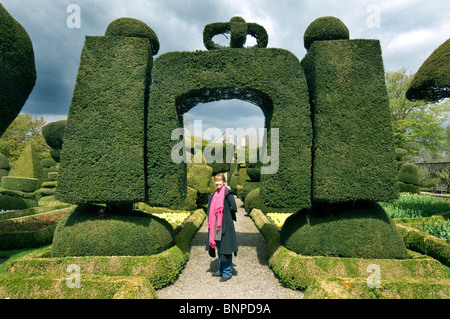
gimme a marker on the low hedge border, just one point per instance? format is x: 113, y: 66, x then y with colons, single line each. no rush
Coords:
x: 424, y: 243
x: 160, y: 269
x: 54, y: 286
x: 317, y: 275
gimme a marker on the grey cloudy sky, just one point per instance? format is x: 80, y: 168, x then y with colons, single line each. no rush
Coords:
x: 409, y: 31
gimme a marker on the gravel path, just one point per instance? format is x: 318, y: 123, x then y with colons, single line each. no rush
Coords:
x: 252, y: 278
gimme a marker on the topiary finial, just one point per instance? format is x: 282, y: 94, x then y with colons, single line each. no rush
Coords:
x: 325, y: 28
x: 239, y: 29
x: 129, y: 27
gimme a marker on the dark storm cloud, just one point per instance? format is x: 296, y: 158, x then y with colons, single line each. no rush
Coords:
x: 409, y: 31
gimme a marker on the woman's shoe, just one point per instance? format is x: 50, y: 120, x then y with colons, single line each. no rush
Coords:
x: 223, y: 279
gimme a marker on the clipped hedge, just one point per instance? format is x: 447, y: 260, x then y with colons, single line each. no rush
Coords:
x: 359, y: 230
x: 424, y: 243
x: 28, y: 165
x: 102, y: 159
x: 159, y: 270
x: 408, y: 178
x: 325, y: 28
x: 353, y: 144
x: 270, y: 78
x: 17, y: 68
x: 23, y: 184
x: 92, y: 231
x: 432, y: 81
x: 335, y: 277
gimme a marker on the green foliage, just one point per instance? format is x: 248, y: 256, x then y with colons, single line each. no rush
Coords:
x: 412, y: 205
x: 408, y: 178
x: 129, y: 27
x: 28, y: 165
x: 102, y: 159
x: 17, y: 68
x: 199, y: 178
x: 24, y: 129
x: 90, y: 231
x: 353, y: 147
x: 238, y: 29
x: 253, y: 200
x: 359, y: 230
x: 270, y: 78
x: 325, y: 28
x: 432, y: 80
x: 23, y: 184
x: 417, y: 124
x: 438, y: 228
x: 53, y: 134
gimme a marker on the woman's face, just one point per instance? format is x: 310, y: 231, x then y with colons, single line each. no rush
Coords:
x: 219, y: 182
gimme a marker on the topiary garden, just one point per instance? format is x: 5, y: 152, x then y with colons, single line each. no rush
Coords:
x: 111, y: 162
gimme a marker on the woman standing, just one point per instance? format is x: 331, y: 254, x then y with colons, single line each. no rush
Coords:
x: 222, y: 235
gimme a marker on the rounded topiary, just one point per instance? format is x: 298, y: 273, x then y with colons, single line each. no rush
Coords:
x: 360, y: 230
x: 408, y: 178
x: 17, y: 68
x: 129, y: 27
x: 253, y: 200
x: 4, y: 163
x: 54, y: 133
x: 325, y: 28
x: 91, y: 231
x: 48, y: 162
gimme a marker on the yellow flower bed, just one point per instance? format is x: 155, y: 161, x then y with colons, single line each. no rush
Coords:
x: 175, y: 219
x: 278, y: 218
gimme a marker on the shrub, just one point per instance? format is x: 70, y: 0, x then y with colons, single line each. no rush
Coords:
x: 413, y: 205
x: 129, y: 27
x: 253, y: 200
x: 360, y: 230
x: 270, y: 78
x: 102, y: 160
x: 325, y: 28
x: 408, y: 178
x: 4, y: 163
x: 431, y: 82
x: 17, y: 68
x: 28, y: 165
x: 248, y: 187
x: 20, y: 183
x: 90, y: 231
x: 53, y: 134
x: 199, y: 178
x: 351, y: 117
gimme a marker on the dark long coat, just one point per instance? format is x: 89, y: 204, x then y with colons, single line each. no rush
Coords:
x: 228, y: 244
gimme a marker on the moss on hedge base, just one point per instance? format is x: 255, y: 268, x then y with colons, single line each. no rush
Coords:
x: 91, y: 231
x: 361, y: 231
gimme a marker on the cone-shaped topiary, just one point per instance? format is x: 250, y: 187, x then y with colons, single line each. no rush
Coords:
x: 28, y: 165
x: 17, y: 68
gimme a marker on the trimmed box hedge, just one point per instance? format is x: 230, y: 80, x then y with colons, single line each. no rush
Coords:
x: 22, y: 184
x: 353, y: 144
x: 102, y: 158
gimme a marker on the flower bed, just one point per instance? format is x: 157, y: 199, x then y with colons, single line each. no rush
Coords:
x: 32, y: 223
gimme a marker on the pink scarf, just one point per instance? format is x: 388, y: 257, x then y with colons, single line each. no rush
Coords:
x: 216, y: 209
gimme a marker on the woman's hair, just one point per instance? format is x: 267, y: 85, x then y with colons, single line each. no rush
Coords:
x: 222, y: 175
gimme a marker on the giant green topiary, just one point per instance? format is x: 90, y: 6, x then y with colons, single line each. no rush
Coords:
x: 361, y: 230
x: 408, y: 178
x: 17, y: 68
x: 102, y: 159
x: 432, y: 80
x: 353, y: 143
x: 92, y: 231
